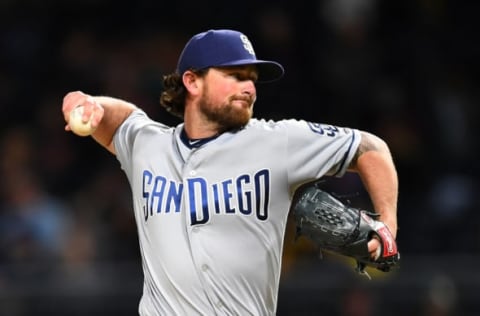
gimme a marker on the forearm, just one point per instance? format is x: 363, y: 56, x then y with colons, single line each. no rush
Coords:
x: 116, y: 112
x: 380, y: 180
x: 376, y: 168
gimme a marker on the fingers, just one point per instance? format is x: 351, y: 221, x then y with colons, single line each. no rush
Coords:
x: 91, y: 109
x: 70, y: 101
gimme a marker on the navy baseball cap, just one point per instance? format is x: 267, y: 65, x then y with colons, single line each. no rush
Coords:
x: 220, y: 48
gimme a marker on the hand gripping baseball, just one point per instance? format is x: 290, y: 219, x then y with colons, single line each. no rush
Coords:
x: 82, y: 113
x: 344, y: 230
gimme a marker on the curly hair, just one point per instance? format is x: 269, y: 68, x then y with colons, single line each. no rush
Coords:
x: 174, y: 93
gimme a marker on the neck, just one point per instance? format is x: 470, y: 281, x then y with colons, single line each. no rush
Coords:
x: 194, y: 131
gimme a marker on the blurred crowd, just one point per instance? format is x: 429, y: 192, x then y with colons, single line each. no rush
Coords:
x: 405, y: 70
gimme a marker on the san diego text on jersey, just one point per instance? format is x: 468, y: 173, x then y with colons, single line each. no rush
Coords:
x: 246, y: 194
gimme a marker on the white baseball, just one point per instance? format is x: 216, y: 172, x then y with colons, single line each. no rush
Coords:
x: 77, y: 125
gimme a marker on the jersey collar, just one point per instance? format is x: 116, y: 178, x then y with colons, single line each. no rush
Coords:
x: 195, y: 142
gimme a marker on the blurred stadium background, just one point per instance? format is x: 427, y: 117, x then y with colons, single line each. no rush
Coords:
x: 406, y: 70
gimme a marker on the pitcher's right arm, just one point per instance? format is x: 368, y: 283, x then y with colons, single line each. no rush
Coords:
x: 108, y: 114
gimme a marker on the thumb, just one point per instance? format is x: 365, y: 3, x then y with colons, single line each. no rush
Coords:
x: 374, y: 248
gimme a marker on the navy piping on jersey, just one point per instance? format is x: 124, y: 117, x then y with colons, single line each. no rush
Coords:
x: 195, y: 142
x: 345, y: 156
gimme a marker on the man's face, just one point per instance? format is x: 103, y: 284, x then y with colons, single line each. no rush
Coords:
x: 228, y: 96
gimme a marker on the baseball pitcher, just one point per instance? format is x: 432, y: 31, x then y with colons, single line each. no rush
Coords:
x: 212, y: 195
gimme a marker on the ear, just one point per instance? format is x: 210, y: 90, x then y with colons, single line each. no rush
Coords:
x: 192, y: 82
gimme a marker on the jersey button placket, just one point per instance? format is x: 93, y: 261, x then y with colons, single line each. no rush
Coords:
x: 195, y: 233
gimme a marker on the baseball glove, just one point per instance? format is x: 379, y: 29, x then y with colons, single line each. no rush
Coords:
x: 344, y: 230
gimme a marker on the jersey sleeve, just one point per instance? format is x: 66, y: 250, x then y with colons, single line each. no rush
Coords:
x: 128, y: 133
x: 316, y: 149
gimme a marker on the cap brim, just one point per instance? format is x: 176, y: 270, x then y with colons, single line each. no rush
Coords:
x: 268, y: 71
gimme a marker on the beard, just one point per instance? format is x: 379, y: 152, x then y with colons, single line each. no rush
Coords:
x: 227, y: 116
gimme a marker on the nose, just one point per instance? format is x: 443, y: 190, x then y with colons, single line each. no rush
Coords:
x: 248, y: 88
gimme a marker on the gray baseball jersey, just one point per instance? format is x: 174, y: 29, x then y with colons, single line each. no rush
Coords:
x: 211, y: 217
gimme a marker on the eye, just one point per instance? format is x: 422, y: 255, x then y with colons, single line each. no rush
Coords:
x: 236, y: 75
x: 244, y: 76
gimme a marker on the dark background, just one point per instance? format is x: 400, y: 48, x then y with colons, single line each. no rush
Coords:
x: 405, y: 70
